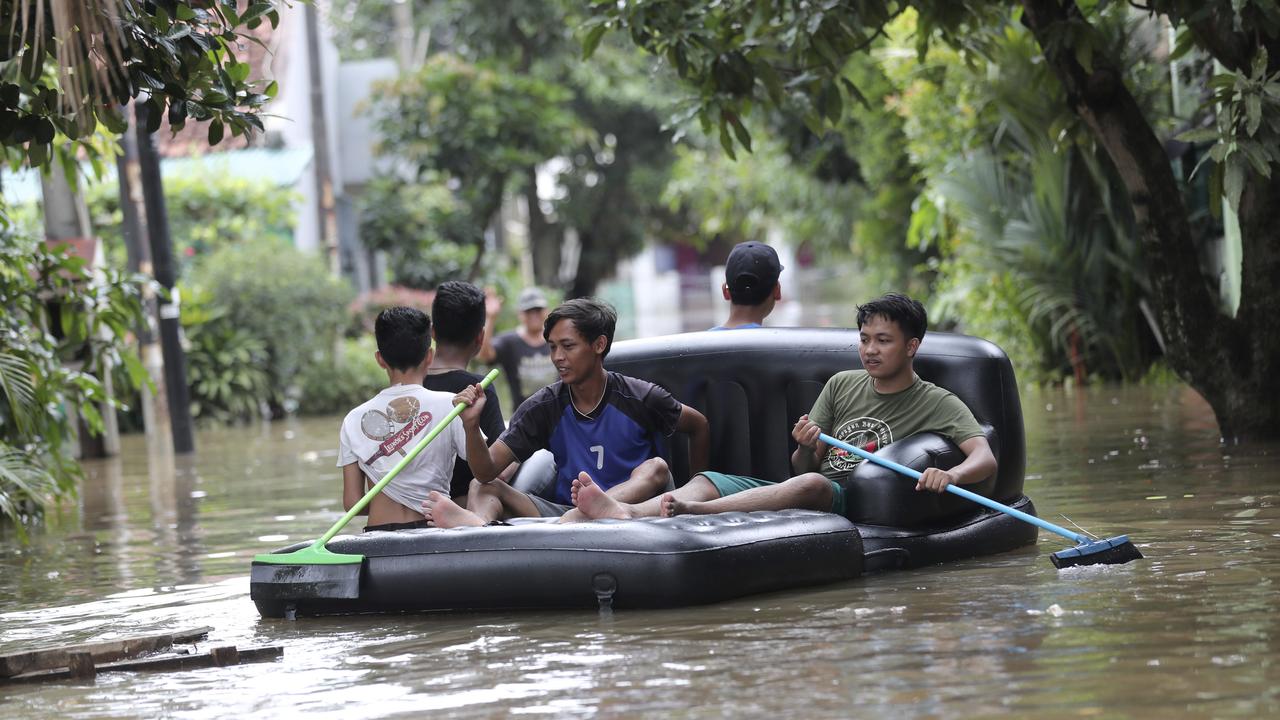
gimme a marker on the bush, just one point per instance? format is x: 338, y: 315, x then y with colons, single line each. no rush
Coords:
x: 353, y: 377
x: 287, y: 312
x: 364, y: 309
x: 226, y: 364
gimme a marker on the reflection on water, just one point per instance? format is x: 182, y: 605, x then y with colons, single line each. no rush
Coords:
x: 159, y: 543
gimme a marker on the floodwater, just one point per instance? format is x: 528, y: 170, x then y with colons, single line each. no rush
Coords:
x: 159, y: 544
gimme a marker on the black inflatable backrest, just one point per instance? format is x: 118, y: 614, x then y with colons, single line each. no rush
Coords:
x: 753, y: 384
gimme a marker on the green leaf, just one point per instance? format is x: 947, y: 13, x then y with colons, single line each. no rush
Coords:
x: 1257, y: 156
x: 1084, y: 54
x: 1253, y: 113
x: 154, y: 113
x: 1199, y: 135
x: 215, y: 132
x: 256, y: 11
x: 726, y: 141
x: 740, y: 131
x: 272, y: 89
x: 832, y: 103
x: 1233, y: 181
x: 37, y: 153
x: 592, y: 40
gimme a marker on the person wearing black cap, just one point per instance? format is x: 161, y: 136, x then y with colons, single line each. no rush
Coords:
x: 750, y: 285
x: 522, y: 353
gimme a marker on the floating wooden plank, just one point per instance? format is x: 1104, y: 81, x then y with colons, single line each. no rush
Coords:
x: 85, y: 669
x: 101, y: 652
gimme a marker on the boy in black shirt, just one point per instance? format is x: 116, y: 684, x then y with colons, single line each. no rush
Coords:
x: 458, y: 311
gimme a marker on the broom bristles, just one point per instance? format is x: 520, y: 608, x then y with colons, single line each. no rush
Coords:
x: 1111, y: 551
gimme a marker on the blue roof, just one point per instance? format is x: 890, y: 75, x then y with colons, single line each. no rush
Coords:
x: 282, y: 167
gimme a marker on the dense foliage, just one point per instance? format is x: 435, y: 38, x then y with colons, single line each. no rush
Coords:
x: 62, y: 329
x: 467, y: 130
x: 66, y: 66
x: 504, y: 107
x: 794, y: 58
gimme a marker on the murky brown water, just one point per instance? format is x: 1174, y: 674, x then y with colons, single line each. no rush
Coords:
x: 160, y: 544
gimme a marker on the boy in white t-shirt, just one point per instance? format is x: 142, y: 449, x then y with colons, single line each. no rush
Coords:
x: 377, y: 434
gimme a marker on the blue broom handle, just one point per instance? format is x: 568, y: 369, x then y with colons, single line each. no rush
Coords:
x: 954, y: 490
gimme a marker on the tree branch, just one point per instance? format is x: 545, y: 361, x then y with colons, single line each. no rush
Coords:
x: 1187, y: 311
x: 1228, y: 47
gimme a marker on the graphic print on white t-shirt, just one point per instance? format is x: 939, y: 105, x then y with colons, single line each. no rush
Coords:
x: 381, y: 427
x: 379, y: 433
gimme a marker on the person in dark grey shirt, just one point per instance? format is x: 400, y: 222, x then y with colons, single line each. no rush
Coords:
x: 522, y: 353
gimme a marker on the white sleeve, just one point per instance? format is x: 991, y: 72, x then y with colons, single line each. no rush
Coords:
x: 346, y: 455
x: 459, y: 438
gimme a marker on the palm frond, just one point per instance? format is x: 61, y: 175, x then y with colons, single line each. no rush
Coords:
x: 19, y: 388
x: 88, y: 45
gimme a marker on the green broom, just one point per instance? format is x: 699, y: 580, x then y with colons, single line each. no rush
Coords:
x: 314, y: 571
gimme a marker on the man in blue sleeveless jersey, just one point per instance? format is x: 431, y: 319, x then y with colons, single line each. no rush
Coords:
x: 602, y: 427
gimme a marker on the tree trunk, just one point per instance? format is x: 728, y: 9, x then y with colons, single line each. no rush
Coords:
x: 1227, y: 360
x: 487, y: 200
x: 544, y: 238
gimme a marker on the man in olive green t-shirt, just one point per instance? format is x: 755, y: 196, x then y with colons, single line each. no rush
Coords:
x: 867, y: 408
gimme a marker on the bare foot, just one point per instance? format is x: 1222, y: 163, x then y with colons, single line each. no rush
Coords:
x: 595, y: 504
x: 443, y: 512
x: 576, y: 485
x: 671, y: 506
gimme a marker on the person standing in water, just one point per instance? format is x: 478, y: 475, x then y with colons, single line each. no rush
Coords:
x: 750, y: 285
x: 522, y: 353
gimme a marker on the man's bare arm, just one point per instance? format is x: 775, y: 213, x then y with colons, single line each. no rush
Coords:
x: 979, y: 464
x: 810, y: 451
x: 695, y: 425
x: 487, y: 461
x: 353, y: 487
x: 492, y: 304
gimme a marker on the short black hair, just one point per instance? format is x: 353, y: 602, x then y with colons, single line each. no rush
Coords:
x: 896, y: 307
x: 404, y: 336
x: 458, y: 309
x: 592, y: 317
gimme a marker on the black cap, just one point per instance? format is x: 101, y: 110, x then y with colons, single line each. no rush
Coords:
x: 751, y: 272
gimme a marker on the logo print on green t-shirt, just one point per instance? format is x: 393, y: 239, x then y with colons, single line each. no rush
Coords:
x: 867, y: 433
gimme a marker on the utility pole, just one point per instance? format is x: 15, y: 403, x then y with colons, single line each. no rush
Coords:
x: 175, y: 362
x: 326, y: 204
x: 155, y: 410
